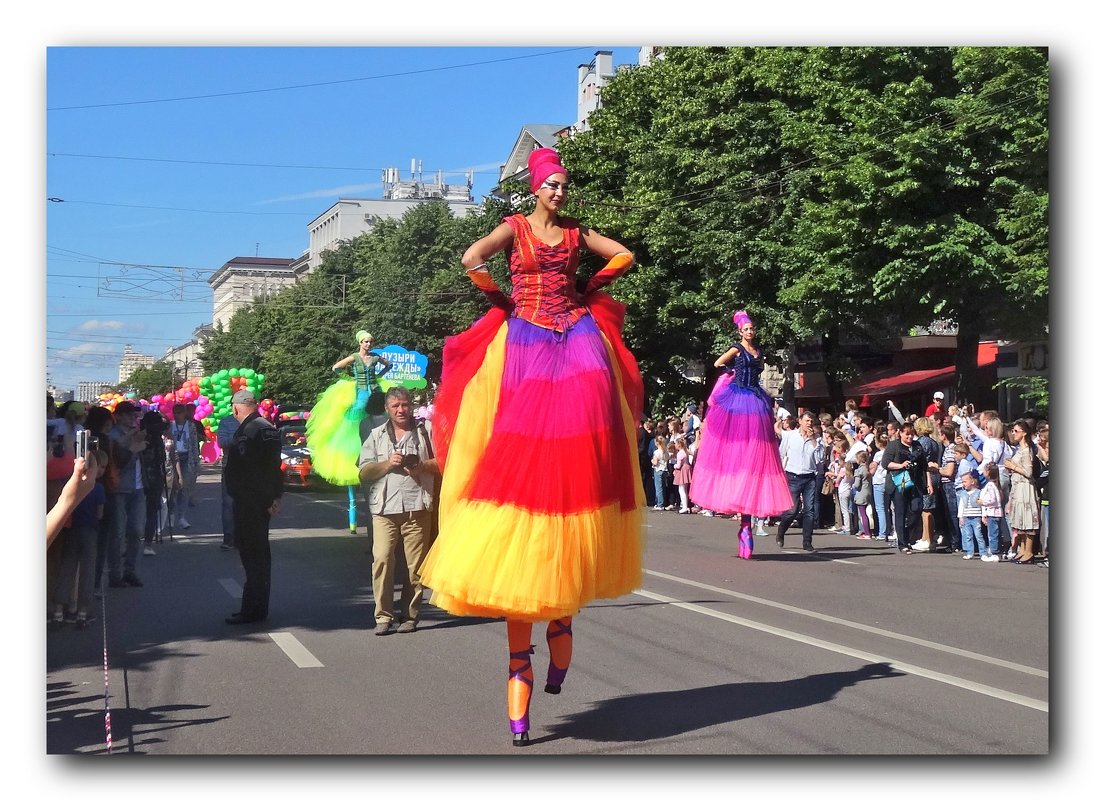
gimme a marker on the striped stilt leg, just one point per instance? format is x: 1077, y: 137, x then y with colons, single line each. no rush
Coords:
x: 519, y: 687
x: 560, y: 639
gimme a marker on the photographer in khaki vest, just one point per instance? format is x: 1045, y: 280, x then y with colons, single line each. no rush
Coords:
x: 397, y: 461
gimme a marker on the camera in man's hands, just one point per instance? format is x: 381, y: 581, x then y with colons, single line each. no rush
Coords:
x: 411, y: 460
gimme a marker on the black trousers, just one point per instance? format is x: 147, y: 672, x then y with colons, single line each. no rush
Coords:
x: 253, y: 543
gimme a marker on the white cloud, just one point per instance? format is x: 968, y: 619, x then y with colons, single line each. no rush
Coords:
x: 101, y: 325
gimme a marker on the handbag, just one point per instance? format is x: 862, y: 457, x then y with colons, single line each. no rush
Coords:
x: 827, y: 487
x: 902, y: 480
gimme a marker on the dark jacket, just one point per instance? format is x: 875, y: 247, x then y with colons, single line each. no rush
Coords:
x: 252, y: 470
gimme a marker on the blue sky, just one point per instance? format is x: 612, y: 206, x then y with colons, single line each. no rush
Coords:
x: 162, y: 163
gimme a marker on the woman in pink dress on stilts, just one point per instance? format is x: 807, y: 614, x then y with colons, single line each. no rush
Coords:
x: 738, y: 469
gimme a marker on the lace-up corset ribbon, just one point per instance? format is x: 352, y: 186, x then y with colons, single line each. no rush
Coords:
x: 543, y: 276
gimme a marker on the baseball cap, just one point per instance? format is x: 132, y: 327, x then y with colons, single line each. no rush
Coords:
x: 244, y: 396
x: 938, y: 395
x: 126, y: 406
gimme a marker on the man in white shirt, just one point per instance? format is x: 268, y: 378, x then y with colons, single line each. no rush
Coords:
x: 799, y: 451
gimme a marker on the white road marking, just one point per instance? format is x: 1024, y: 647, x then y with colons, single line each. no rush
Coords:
x: 232, y: 587
x: 860, y: 626
x: 294, y: 650
x: 866, y: 656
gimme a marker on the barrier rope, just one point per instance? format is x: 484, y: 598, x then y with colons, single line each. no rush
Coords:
x: 106, y: 681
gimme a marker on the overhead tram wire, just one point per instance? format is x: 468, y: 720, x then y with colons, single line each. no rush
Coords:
x: 241, y: 92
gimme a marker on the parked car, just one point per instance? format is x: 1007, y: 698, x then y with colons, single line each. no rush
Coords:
x: 296, y: 459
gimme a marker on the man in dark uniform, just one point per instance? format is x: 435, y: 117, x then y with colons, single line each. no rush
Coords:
x: 252, y: 476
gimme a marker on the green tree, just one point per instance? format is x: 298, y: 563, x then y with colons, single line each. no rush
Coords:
x: 837, y: 193
x: 156, y: 379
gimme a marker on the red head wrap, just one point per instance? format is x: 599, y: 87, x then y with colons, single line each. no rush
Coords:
x: 543, y: 162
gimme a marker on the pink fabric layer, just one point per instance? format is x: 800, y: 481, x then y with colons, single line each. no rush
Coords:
x: 738, y: 468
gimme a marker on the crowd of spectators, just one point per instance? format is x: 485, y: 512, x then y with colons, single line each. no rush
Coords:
x: 106, y: 509
x: 949, y: 481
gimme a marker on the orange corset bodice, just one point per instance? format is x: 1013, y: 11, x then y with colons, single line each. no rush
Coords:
x: 543, y: 276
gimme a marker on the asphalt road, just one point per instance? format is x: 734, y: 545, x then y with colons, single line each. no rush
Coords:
x: 852, y: 650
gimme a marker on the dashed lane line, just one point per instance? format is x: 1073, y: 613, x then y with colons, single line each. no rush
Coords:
x: 295, y: 650
x: 232, y: 587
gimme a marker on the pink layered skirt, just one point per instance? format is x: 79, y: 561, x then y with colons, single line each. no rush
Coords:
x: 738, y: 467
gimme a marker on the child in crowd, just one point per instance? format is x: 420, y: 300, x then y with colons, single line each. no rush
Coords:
x: 878, y: 485
x: 991, y: 501
x: 969, y: 516
x: 682, y: 473
x: 660, y: 461
x: 842, y: 480
x: 79, y: 547
x: 861, y: 494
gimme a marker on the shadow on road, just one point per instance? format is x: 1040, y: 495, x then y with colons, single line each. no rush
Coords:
x: 71, y: 728
x: 653, y: 716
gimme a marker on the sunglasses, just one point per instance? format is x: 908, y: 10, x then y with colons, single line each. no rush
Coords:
x: 555, y: 186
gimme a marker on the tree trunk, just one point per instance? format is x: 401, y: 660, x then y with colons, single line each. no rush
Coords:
x: 965, y: 363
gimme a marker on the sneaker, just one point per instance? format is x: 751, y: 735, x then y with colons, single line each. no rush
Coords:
x: 891, y: 538
x: 407, y: 627
x: 921, y: 545
x: 131, y: 580
x: 225, y: 547
x: 659, y: 508
x: 684, y: 512
x: 1011, y: 554
x: 864, y: 537
x: 183, y: 523
x: 990, y: 557
x: 382, y: 628
x: 882, y: 537
x: 148, y: 551
x: 707, y: 513
x: 968, y: 556
x: 759, y: 532
x: 808, y: 548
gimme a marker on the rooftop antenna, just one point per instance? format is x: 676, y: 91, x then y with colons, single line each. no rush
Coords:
x: 256, y: 249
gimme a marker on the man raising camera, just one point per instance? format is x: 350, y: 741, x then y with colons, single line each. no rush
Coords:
x: 397, y: 459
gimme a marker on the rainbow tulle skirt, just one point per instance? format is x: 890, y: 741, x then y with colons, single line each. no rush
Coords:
x: 541, y: 504
x: 738, y: 468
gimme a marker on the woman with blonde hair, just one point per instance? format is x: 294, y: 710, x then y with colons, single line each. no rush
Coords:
x: 924, y: 427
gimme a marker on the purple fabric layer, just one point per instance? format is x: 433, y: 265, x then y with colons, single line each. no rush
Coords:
x: 565, y: 377
x: 738, y: 467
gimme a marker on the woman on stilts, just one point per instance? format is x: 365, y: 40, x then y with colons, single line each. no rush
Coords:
x: 536, y: 422
x: 344, y: 415
x: 738, y: 470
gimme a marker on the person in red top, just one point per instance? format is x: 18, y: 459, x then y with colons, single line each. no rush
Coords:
x: 936, y: 406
